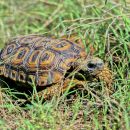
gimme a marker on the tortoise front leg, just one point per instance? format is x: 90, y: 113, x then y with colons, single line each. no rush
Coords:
x: 57, y: 89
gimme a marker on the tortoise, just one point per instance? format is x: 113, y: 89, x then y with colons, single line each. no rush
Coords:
x: 47, y: 62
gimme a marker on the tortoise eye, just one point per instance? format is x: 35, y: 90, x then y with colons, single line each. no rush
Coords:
x: 95, y: 65
x: 91, y: 65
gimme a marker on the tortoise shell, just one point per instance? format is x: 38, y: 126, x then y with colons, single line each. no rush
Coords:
x: 44, y: 60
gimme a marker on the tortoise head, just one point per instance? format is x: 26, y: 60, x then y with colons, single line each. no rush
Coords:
x: 93, y: 67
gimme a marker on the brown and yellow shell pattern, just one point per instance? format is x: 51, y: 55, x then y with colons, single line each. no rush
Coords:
x: 42, y: 59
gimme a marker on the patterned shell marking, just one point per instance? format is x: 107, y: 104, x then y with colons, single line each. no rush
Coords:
x: 42, y: 59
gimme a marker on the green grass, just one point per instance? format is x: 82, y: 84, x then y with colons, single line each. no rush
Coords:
x: 103, y: 24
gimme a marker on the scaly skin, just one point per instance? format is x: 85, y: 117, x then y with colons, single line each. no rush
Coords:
x: 104, y: 75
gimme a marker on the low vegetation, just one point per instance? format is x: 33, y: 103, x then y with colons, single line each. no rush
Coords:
x: 105, y: 25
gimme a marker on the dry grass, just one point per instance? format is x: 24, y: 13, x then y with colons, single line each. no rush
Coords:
x: 106, y: 26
